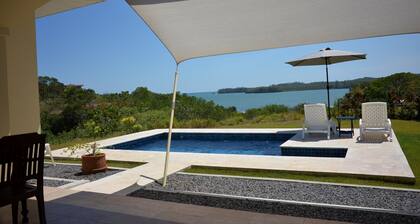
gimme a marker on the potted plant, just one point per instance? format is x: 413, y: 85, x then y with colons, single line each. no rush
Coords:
x: 94, y: 160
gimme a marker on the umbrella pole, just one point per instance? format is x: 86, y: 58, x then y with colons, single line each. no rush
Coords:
x: 328, y: 88
x: 171, y: 122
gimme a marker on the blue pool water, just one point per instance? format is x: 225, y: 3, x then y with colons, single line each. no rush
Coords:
x: 252, y: 144
x: 226, y: 143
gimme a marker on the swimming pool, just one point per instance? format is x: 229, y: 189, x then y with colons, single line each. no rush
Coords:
x: 226, y: 143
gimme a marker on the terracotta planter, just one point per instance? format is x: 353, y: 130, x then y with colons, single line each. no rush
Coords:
x: 93, y: 164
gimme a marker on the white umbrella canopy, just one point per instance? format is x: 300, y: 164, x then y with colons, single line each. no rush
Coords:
x: 327, y: 57
x: 332, y: 57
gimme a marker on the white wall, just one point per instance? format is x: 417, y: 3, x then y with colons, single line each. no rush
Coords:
x: 19, y: 101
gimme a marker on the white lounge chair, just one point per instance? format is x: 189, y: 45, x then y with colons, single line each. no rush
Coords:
x: 48, y: 151
x: 316, y: 120
x: 375, y: 120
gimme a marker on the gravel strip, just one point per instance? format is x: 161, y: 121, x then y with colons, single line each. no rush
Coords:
x: 55, y: 183
x: 407, y: 202
x: 70, y: 172
x: 73, y: 172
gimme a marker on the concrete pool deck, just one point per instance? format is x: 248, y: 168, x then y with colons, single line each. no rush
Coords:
x: 374, y: 159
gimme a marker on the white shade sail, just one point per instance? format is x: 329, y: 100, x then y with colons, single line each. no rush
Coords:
x: 197, y: 28
x: 332, y: 56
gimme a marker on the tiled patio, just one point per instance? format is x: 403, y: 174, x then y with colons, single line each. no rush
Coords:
x: 67, y: 206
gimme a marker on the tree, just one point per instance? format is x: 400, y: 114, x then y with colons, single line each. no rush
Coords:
x: 401, y: 91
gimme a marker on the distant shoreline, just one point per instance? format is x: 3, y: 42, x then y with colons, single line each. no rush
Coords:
x: 281, y: 91
x: 296, y: 86
x: 216, y: 93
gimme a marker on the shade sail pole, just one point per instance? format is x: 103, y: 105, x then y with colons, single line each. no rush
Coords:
x: 171, y: 122
x: 328, y: 88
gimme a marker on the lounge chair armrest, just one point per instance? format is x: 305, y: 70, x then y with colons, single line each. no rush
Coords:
x: 389, y: 123
x: 333, y: 126
x: 362, y: 125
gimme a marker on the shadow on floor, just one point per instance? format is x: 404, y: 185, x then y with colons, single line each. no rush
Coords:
x: 87, y: 207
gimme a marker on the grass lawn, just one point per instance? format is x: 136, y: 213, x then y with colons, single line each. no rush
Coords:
x: 110, y: 163
x: 408, y: 134
x: 55, y: 145
x: 283, y: 124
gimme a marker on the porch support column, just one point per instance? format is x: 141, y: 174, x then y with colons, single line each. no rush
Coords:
x: 4, y: 96
x: 19, y: 100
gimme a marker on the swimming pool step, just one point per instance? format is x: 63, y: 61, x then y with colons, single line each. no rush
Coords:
x: 313, y: 151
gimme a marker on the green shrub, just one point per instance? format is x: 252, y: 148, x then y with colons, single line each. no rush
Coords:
x: 401, y: 91
x: 267, y: 110
x: 153, y: 119
x: 197, y: 123
x: 238, y: 119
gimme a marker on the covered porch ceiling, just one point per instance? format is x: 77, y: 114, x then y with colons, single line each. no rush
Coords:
x: 57, y: 6
x: 198, y: 28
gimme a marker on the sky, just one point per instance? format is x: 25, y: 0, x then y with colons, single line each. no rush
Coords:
x: 108, y: 48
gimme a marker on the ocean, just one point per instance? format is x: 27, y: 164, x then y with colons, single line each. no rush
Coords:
x: 243, y: 101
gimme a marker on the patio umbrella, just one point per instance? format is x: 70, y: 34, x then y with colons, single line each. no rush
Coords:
x: 327, y: 57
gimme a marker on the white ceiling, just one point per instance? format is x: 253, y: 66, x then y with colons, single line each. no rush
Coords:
x: 57, y: 6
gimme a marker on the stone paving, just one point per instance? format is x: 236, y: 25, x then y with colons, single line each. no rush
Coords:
x: 379, y: 159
